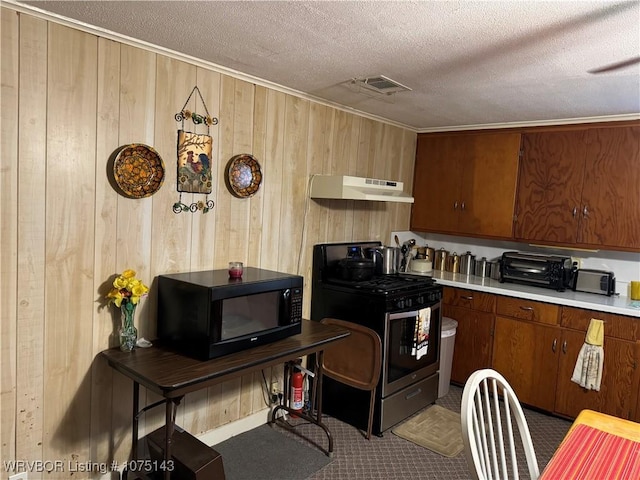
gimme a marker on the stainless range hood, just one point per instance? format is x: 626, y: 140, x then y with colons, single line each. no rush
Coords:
x: 346, y: 187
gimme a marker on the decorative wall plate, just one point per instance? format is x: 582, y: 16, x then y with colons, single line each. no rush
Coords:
x: 138, y: 170
x: 244, y: 175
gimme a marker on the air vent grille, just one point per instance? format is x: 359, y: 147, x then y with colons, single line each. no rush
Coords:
x: 380, y: 84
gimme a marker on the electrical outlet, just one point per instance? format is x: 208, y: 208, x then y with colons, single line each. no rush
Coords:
x: 275, y: 388
x: 19, y: 476
x: 577, y: 261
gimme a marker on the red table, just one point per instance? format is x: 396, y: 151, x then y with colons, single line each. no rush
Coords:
x: 597, y: 447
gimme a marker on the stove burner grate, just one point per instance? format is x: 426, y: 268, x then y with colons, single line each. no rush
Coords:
x: 386, y: 283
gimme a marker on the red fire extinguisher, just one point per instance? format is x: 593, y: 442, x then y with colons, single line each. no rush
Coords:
x: 296, y: 400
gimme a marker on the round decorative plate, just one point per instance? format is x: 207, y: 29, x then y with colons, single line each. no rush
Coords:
x: 138, y: 170
x: 244, y: 175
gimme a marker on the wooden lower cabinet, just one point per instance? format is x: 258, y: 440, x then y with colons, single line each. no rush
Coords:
x: 474, y: 312
x: 526, y: 354
x: 472, y: 350
x: 619, y: 393
x: 535, y: 346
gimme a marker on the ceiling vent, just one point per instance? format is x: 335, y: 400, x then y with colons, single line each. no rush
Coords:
x: 379, y: 84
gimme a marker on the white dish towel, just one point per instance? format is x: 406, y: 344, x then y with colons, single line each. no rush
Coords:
x: 588, y: 370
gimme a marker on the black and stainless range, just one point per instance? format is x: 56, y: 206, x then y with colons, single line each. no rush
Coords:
x: 390, y: 305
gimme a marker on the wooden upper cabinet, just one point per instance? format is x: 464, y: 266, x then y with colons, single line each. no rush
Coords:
x: 611, y: 193
x: 550, y: 186
x: 580, y: 187
x: 436, y: 182
x: 465, y: 183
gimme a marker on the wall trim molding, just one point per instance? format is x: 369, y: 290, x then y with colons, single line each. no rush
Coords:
x: 134, y: 42
x: 101, y: 32
x: 231, y: 429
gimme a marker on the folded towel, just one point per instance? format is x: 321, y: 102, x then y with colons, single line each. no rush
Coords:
x: 588, y: 370
x: 595, y: 332
x: 421, y: 337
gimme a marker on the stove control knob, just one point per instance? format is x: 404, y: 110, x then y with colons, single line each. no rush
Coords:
x: 420, y: 300
x: 400, y: 303
x: 409, y: 302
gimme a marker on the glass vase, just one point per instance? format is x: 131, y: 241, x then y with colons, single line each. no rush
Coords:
x: 128, y: 332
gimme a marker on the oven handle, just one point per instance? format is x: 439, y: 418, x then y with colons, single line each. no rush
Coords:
x: 412, y: 313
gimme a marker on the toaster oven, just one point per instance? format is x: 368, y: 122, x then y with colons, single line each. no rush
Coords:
x: 548, y: 271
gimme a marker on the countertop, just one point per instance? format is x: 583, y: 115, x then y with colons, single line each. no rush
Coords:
x: 590, y: 301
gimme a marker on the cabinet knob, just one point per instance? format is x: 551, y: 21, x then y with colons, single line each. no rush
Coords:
x: 462, y: 206
x: 466, y: 297
x: 526, y: 309
x: 554, y: 345
x: 455, y: 205
x: 585, y: 211
x: 564, y: 347
x: 574, y: 212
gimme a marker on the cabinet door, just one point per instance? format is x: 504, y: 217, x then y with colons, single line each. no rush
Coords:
x: 619, y: 386
x: 474, y: 338
x: 550, y: 186
x: 526, y: 355
x: 488, y: 190
x: 610, y: 209
x: 436, y: 185
x: 469, y: 299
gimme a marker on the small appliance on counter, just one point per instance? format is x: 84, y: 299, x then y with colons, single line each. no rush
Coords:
x: 595, y: 281
x: 547, y: 271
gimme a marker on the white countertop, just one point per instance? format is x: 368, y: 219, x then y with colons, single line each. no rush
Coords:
x: 590, y: 301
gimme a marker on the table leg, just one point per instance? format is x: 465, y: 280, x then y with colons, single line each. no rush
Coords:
x: 317, y: 420
x: 317, y: 385
x: 170, y: 426
x: 134, y: 422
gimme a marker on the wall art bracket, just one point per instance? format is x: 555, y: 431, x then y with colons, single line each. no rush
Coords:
x: 196, y: 118
x: 194, y: 165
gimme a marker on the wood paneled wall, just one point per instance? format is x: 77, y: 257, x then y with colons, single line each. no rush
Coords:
x: 69, y: 100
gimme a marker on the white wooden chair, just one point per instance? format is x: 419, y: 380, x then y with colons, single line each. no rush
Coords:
x: 487, y: 428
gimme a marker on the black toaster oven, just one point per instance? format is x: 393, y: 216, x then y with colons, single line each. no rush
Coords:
x: 548, y: 271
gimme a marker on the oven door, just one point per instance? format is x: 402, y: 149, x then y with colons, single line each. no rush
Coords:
x: 401, y: 365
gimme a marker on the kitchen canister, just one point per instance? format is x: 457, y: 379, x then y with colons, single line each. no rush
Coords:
x: 482, y: 268
x: 495, y: 268
x: 440, y: 259
x: 467, y: 263
x: 453, y: 263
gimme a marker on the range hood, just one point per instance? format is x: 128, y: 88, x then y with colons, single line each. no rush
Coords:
x: 346, y: 187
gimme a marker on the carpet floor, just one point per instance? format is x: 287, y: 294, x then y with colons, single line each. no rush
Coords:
x: 265, y: 453
x: 389, y: 456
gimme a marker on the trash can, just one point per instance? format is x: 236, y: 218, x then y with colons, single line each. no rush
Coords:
x: 447, y: 342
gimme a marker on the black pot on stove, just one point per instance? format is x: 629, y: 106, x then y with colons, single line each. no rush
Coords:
x: 356, y: 269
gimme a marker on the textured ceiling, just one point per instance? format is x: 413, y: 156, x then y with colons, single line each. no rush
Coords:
x: 468, y: 63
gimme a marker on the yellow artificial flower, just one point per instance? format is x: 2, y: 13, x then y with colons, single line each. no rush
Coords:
x: 127, y: 289
x: 139, y: 290
x: 120, y: 282
x: 129, y: 273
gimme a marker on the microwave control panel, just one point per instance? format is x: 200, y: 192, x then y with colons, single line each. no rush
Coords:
x: 296, y: 305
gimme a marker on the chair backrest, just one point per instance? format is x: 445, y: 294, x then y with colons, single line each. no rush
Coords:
x: 487, y: 428
x: 356, y: 359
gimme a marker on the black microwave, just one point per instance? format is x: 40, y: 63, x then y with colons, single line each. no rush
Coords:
x: 208, y: 314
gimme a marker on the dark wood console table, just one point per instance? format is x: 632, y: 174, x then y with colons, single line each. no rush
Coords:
x: 172, y: 374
